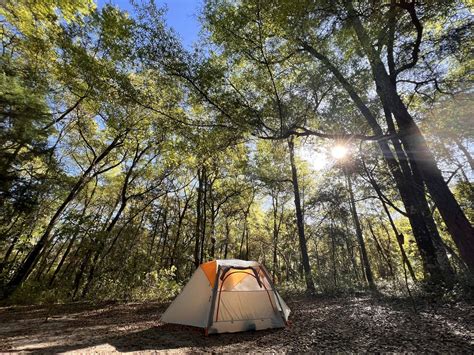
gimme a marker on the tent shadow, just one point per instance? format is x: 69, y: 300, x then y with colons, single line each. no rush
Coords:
x: 167, y: 337
x: 172, y: 337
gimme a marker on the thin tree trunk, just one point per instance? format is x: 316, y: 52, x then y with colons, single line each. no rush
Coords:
x: 165, y: 235
x: 227, y: 236
x: 86, y: 234
x: 203, y: 216
x: 244, y: 232
x: 8, y: 253
x: 197, y: 236
x: 275, y: 236
x: 153, y: 234
x: 30, y: 262
x: 178, y: 230
x: 333, y: 257
x: 299, y: 220
x: 247, y: 245
x: 88, y: 200
x: 381, y: 250
x: 56, y: 256
x: 350, y: 252
x: 400, y: 240
x: 360, y: 237
x: 43, y: 262
x: 80, y: 273
x: 63, y: 258
x: 466, y: 153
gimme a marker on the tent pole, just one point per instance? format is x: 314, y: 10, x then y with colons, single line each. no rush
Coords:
x: 213, y: 300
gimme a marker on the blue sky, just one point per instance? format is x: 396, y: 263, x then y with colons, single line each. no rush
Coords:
x: 181, y: 16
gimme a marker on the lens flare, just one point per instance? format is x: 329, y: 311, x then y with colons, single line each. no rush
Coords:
x: 339, y: 152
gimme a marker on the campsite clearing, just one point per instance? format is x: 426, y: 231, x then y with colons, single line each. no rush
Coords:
x: 326, y: 324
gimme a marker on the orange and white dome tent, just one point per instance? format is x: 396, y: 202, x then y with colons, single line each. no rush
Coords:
x: 227, y: 296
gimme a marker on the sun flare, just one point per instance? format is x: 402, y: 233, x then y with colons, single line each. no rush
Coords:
x: 339, y: 152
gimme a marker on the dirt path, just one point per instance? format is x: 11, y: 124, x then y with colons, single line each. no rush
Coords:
x: 344, y: 324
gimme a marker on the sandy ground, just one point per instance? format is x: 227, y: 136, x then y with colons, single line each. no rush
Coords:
x: 319, y: 324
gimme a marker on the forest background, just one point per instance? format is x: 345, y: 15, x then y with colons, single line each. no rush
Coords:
x: 330, y: 141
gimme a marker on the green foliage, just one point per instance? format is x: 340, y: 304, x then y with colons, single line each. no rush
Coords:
x: 464, y: 191
x: 184, y: 132
x: 159, y: 285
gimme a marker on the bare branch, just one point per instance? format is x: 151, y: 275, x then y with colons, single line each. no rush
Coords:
x: 410, y: 8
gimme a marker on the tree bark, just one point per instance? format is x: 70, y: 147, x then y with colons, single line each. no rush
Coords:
x: 197, y: 235
x: 410, y: 171
x: 383, y: 253
x: 8, y: 253
x: 182, y: 214
x: 456, y: 221
x: 227, y: 236
x: 87, y: 201
x: 276, y: 232
x: 333, y: 256
x: 350, y: 253
x: 466, y: 153
x: 300, y: 220
x: 400, y: 239
x: 360, y: 237
x: 203, y: 216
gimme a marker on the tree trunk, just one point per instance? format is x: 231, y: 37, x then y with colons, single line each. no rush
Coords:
x: 385, y: 254
x: 420, y: 232
x: 63, y: 258
x: 95, y: 221
x: 299, y: 220
x: 275, y: 236
x: 333, y: 257
x: 203, y: 216
x: 74, y: 237
x: 197, y: 235
x: 178, y: 230
x: 422, y: 208
x: 56, y: 256
x: 244, y: 232
x: 466, y: 153
x: 7, y: 254
x: 43, y: 260
x: 227, y: 236
x: 456, y: 221
x: 400, y: 239
x: 360, y: 237
x: 80, y: 273
x: 247, y: 245
x: 350, y: 252
x: 30, y: 262
x: 458, y: 225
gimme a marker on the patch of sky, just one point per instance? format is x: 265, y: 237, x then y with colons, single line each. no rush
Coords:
x: 181, y: 16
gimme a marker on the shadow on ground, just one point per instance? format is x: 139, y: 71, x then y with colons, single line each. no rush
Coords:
x: 319, y: 324
x: 162, y: 337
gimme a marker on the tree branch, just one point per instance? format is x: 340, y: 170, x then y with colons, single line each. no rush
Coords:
x: 410, y: 7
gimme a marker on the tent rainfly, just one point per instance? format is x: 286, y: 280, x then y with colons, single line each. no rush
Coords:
x: 227, y: 296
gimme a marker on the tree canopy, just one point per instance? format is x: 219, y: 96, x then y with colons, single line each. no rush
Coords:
x: 329, y: 140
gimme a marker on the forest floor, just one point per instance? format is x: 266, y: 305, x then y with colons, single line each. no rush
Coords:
x: 362, y: 323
